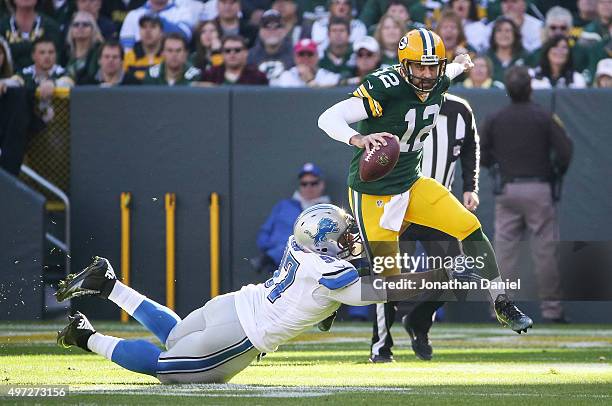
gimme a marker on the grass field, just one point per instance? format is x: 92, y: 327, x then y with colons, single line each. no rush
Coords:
x: 473, y: 363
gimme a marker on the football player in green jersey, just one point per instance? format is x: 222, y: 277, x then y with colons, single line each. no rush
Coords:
x: 403, y: 101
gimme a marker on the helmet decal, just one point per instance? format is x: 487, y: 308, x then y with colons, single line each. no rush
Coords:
x: 403, y: 42
x: 325, y: 226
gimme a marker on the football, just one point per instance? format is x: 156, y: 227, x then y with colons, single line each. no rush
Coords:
x: 379, y: 162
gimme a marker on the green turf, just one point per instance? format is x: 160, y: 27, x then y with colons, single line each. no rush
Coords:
x: 473, y: 363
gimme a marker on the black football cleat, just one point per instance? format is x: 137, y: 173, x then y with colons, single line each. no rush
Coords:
x: 326, y: 325
x: 97, y: 279
x: 77, y: 332
x: 509, y: 315
x: 381, y: 359
x: 419, y: 339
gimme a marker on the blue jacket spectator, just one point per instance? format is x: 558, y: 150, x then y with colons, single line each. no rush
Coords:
x: 173, y: 17
x: 274, y: 233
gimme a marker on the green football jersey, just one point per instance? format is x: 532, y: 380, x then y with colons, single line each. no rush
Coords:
x: 394, y: 107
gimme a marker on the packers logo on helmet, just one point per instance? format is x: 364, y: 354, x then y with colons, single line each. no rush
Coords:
x: 424, y: 47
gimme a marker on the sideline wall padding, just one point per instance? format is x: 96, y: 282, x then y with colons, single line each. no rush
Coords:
x: 149, y: 141
x: 22, y: 231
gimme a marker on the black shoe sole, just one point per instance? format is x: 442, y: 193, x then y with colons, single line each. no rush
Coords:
x: 66, y: 288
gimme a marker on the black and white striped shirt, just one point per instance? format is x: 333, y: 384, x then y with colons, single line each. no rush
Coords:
x: 453, y: 136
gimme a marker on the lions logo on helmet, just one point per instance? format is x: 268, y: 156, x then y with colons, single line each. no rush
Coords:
x: 327, y: 229
x: 326, y: 226
x: 425, y: 47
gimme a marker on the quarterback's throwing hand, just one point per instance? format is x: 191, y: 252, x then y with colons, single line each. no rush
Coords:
x: 465, y: 61
x: 371, y: 141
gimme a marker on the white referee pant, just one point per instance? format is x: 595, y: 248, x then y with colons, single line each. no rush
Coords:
x: 207, y: 346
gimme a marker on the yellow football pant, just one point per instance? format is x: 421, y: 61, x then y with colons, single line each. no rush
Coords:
x: 430, y: 204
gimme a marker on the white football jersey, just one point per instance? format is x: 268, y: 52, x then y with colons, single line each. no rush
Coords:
x: 274, y: 312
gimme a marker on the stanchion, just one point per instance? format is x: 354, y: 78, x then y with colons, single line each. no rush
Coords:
x: 214, y: 245
x: 170, y: 249
x: 126, y: 198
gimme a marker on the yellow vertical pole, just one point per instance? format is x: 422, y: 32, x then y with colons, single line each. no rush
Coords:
x: 214, y: 245
x: 170, y: 249
x: 125, y: 244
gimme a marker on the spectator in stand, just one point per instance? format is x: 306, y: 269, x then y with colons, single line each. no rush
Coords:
x: 450, y: 29
x: 476, y: 32
x: 23, y: 27
x: 601, y: 50
x: 111, y: 71
x: 367, y: 60
x: 60, y: 11
x: 117, y: 10
x: 252, y: 10
x: 291, y: 19
x: 587, y: 12
x: 338, y: 57
x: 147, y: 51
x: 603, y: 75
x: 480, y: 75
x: 426, y: 12
x: 272, y: 53
x: 229, y: 21
x: 340, y: 9
x: 277, y: 228
x: 106, y: 25
x: 388, y: 34
x: 529, y: 26
x: 235, y: 69
x: 373, y: 10
x: 556, y: 67
x: 14, y: 114
x: 174, y: 20
x: 598, y: 29
x: 43, y: 76
x: 505, y: 48
x: 174, y: 70
x: 306, y: 71
x: 208, y: 51
x: 559, y: 22
x: 83, y: 41
x: 398, y: 10
x: 6, y: 64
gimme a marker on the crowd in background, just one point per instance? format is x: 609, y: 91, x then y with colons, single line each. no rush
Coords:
x: 292, y: 43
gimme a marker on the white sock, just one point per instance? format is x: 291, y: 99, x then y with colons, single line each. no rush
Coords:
x: 103, y: 345
x: 496, y: 292
x: 126, y: 298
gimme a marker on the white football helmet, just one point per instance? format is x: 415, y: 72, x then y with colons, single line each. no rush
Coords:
x: 329, y: 230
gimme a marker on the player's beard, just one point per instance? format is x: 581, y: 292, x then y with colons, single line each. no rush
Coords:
x: 425, y: 84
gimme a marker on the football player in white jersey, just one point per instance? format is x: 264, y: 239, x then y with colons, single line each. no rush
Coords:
x: 220, y: 339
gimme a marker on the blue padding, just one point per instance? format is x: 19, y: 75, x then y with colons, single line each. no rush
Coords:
x: 341, y: 281
x: 205, y: 362
x: 137, y: 355
x: 158, y: 319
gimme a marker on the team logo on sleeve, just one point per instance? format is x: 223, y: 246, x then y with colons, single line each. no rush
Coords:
x: 325, y: 226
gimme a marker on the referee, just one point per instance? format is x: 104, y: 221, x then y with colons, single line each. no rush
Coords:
x: 454, y: 136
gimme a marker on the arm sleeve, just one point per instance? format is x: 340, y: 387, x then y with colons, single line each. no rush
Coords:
x: 127, y: 35
x: 351, y: 295
x: 336, y: 119
x: 453, y: 70
x: 470, y: 155
x: 180, y: 27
